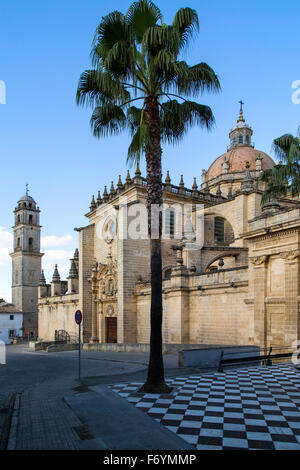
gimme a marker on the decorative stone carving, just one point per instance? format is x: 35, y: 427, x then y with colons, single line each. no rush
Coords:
x: 290, y: 255
x: 258, y: 260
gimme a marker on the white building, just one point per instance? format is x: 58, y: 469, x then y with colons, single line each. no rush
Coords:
x: 11, y: 322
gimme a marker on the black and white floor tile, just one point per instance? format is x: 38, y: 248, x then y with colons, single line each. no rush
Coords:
x: 253, y: 408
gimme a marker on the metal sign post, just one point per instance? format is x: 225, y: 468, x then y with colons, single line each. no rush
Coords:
x: 78, y: 320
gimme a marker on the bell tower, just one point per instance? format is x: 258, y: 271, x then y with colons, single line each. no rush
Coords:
x: 26, y: 261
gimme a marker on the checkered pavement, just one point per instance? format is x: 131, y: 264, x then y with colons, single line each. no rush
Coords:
x: 248, y: 408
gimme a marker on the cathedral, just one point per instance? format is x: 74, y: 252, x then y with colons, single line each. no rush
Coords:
x: 234, y: 282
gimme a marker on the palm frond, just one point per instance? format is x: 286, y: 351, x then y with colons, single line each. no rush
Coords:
x: 187, y: 22
x: 96, y: 87
x: 197, y: 79
x: 157, y: 38
x: 108, y: 119
x: 281, y: 146
x: 142, y: 15
x: 140, y: 140
x: 176, y: 118
x: 113, y: 45
x: 134, y: 117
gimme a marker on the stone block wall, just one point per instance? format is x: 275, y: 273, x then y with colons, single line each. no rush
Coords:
x: 57, y: 313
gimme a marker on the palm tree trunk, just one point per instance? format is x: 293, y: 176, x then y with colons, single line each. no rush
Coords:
x: 155, y: 381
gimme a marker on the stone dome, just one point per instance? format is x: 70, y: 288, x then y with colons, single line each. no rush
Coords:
x: 236, y: 158
x: 26, y: 198
x: 240, y: 152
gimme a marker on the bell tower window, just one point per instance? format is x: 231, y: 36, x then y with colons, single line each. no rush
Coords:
x: 30, y: 243
x: 240, y: 139
x: 30, y: 219
x: 247, y: 139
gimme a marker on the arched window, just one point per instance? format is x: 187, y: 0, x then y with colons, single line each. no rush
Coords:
x: 30, y: 241
x: 234, y: 141
x: 219, y: 230
x: 18, y: 219
x: 247, y: 139
x: 240, y: 139
x: 30, y: 219
x: 18, y: 243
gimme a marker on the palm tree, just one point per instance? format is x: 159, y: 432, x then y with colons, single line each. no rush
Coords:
x: 136, y: 58
x: 284, y: 178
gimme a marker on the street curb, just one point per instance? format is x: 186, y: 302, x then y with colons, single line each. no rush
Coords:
x: 12, y: 438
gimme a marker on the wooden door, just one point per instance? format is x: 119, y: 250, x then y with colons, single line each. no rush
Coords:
x: 111, y: 329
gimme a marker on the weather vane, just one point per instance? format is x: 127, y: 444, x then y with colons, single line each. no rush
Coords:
x: 27, y: 190
x: 241, y: 103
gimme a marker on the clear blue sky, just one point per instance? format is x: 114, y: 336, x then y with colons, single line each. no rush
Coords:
x: 45, y: 138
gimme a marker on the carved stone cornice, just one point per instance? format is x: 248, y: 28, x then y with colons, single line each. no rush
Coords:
x: 290, y: 255
x: 258, y: 260
x: 278, y: 230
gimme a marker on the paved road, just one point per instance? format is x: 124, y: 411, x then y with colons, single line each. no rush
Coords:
x: 26, y: 368
x: 42, y: 380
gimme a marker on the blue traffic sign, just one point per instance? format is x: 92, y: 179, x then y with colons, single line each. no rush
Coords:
x: 78, y: 317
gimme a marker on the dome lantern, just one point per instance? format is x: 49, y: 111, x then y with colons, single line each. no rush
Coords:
x: 241, y: 133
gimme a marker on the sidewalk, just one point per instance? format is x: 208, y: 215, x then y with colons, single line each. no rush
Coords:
x: 47, y: 421
x: 112, y: 423
x: 249, y: 408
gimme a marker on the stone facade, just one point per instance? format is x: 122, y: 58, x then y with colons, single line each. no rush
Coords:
x: 233, y: 279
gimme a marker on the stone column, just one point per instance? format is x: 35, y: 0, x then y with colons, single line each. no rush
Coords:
x: 178, y: 303
x: 292, y: 272
x: 94, y: 338
x: 259, y: 291
x: 94, y: 290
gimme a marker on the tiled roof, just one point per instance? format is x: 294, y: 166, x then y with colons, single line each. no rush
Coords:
x: 8, y: 308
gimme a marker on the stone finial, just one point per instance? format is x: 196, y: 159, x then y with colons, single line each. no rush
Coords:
x: 181, y: 183
x: 204, y: 173
x: 56, y: 276
x: 120, y: 184
x: 225, y: 167
x: 248, y: 182
x: 128, y: 179
x: 93, y: 204
x: 138, y: 171
x: 112, y: 188
x: 42, y: 279
x: 195, y: 192
x: 73, y: 273
x: 137, y: 176
x: 105, y: 194
x: 99, y: 200
x: 168, y: 179
x: 258, y: 163
x: 76, y: 255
